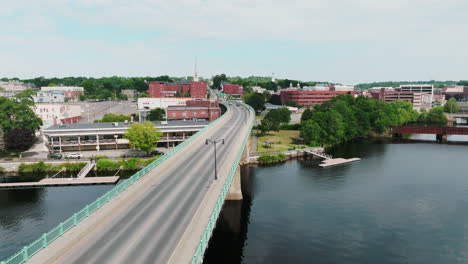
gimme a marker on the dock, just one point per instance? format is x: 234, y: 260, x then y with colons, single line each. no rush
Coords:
x: 56, y: 182
x: 329, y: 160
x: 338, y: 161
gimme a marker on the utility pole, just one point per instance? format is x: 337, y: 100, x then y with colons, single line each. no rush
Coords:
x: 214, y: 144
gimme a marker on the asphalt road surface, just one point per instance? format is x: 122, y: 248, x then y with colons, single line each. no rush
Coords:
x: 150, y: 229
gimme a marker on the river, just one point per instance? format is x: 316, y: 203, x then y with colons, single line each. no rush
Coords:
x: 404, y: 202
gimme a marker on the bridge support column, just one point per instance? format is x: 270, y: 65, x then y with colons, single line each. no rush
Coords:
x: 397, y: 135
x: 235, y: 191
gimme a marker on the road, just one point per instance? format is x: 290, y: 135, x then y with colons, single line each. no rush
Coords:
x: 145, y: 226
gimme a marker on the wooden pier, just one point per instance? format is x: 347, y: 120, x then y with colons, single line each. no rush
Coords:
x: 61, y: 182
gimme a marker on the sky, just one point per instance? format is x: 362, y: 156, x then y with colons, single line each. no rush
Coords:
x: 341, y: 41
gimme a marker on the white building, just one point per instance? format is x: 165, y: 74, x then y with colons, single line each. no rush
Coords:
x: 71, y: 92
x: 148, y: 103
x: 56, y: 113
x: 258, y: 89
x: 50, y: 97
x: 11, y: 88
x: 348, y: 88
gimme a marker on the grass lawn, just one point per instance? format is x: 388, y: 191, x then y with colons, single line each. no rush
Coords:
x: 282, y: 141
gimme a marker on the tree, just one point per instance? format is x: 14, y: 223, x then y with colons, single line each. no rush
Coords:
x: 143, y: 136
x: 156, y: 114
x: 113, y: 118
x: 451, y: 106
x: 306, y: 115
x: 279, y: 115
x: 257, y: 102
x: 268, y: 125
x: 18, y: 112
x: 437, y: 115
x: 218, y: 80
x: 19, y: 139
x: 275, y: 99
x: 422, y: 115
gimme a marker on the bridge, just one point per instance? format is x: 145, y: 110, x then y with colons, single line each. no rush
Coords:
x: 165, y: 213
x: 440, y: 132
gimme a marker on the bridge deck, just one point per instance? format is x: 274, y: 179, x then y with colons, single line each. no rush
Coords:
x: 430, y: 130
x: 60, y: 182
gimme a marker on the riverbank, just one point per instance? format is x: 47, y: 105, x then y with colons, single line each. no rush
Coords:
x: 285, y: 155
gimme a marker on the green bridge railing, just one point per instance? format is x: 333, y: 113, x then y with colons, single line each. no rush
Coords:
x: 200, y: 252
x: 43, y: 241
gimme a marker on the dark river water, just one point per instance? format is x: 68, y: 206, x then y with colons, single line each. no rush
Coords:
x: 404, y: 202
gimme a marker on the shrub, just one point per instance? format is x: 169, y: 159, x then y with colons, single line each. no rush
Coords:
x: 268, y: 159
x: 107, y: 165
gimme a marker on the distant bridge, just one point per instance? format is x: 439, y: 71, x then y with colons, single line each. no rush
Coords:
x: 440, y: 132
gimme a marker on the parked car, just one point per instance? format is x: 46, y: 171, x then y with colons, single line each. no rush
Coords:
x: 156, y: 153
x: 75, y: 155
x: 54, y: 155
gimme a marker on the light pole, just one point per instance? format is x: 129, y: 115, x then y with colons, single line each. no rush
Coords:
x: 214, y: 144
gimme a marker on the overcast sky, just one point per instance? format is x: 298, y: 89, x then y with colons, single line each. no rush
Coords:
x: 346, y: 41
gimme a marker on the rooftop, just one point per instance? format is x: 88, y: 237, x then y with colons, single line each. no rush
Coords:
x: 78, y: 126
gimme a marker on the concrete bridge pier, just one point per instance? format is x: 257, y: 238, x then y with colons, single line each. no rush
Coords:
x: 235, y: 191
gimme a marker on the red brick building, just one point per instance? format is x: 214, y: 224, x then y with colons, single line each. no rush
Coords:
x: 233, y: 89
x: 309, y: 98
x: 177, y: 89
x: 195, y: 109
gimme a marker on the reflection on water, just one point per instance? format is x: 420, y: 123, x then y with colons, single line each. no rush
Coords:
x: 403, y: 203
x: 25, y: 214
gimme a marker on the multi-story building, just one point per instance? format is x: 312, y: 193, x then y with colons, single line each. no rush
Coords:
x: 419, y: 88
x: 55, y: 114
x: 232, y: 89
x: 417, y: 99
x: 50, y: 97
x: 11, y: 88
x: 308, y: 98
x: 182, y: 88
x: 71, y: 92
x: 195, y: 110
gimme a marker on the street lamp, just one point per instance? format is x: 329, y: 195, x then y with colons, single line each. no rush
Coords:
x: 214, y: 144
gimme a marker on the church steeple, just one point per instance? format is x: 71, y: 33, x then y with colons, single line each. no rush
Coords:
x: 195, y: 74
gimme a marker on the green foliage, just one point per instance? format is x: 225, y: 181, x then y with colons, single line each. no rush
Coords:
x: 41, y: 167
x: 256, y: 101
x: 218, y: 80
x: 306, y: 115
x: 280, y: 115
x: 113, y: 118
x: 436, y: 115
x: 156, y: 114
x: 128, y: 164
x: 345, y: 117
x: 268, y: 159
x: 290, y: 126
x: 143, y: 136
x: 18, y: 112
x: 19, y: 139
x: 268, y: 125
x: 451, y: 106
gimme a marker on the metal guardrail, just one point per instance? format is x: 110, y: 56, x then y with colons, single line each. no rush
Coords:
x: 200, y: 252
x: 28, y: 251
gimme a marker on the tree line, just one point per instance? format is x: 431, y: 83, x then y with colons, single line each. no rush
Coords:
x: 345, y: 117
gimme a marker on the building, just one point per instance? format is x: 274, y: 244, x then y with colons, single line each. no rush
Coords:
x: 195, y: 110
x: 11, y: 88
x: 308, y: 98
x: 71, y: 92
x: 346, y: 88
x: 145, y: 104
x: 420, y: 88
x: 182, y: 88
x: 417, y: 99
x: 101, y: 136
x: 131, y: 94
x: 49, y: 97
x: 55, y: 114
x: 258, y: 89
x: 232, y: 89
